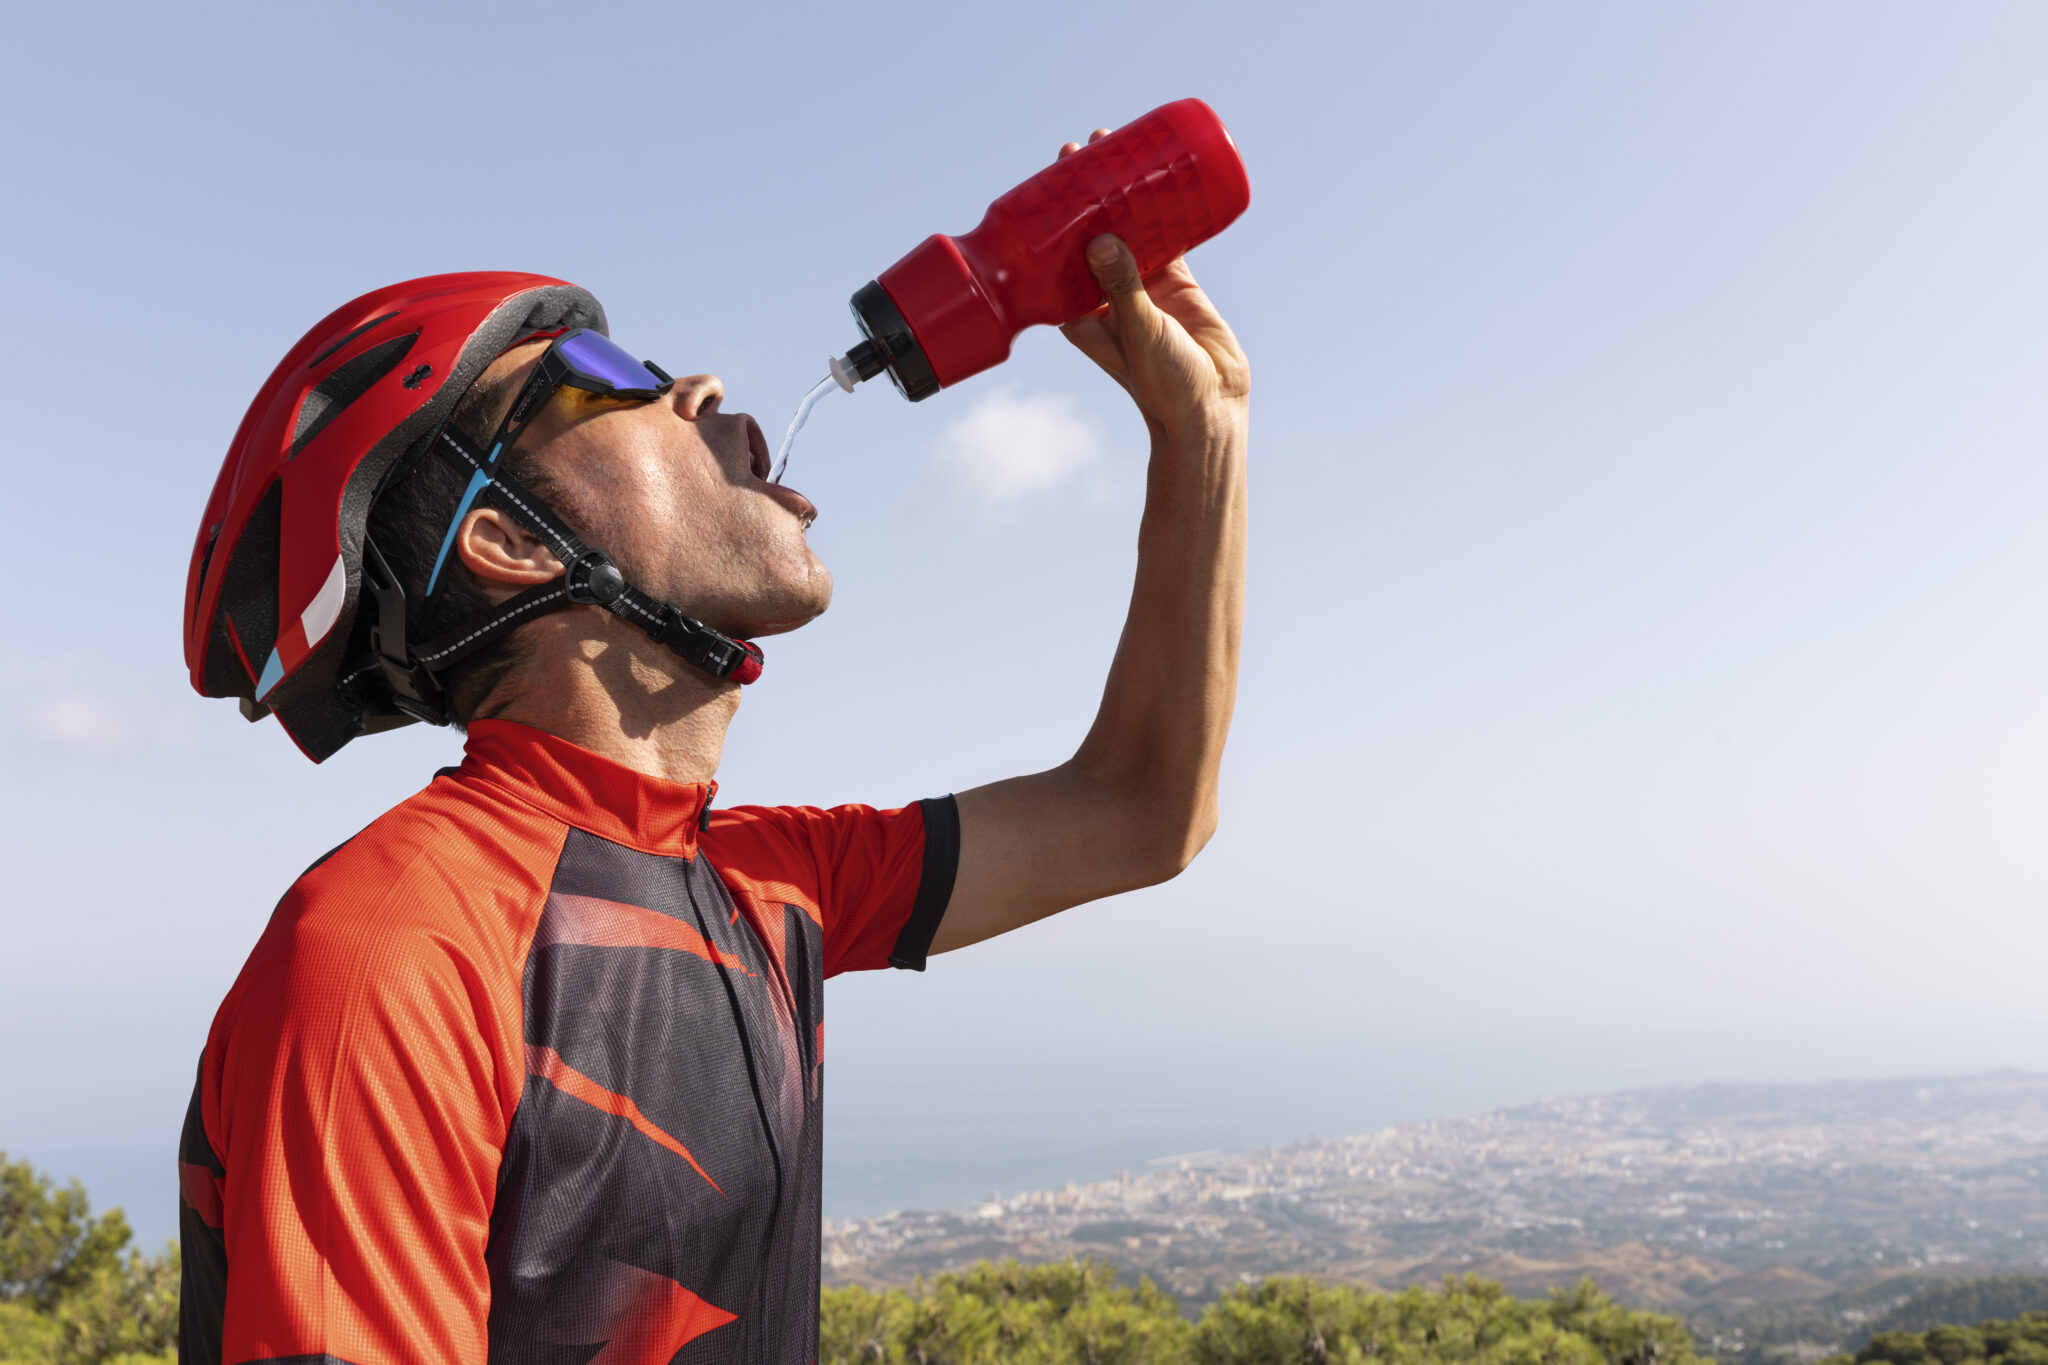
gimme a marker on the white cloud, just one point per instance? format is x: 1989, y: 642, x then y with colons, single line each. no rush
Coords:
x: 1010, y: 445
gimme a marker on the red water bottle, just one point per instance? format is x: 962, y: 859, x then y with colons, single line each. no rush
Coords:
x: 1164, y: 183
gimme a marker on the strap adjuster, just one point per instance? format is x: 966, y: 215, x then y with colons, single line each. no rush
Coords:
x: 592, y: 580
x: 720, y: 655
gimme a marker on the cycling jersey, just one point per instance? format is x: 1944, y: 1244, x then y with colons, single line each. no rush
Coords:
x: 528, y: 1071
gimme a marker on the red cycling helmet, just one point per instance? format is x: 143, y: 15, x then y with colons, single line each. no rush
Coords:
x: 277, y: 574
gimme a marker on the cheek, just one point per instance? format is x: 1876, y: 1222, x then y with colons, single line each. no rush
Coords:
x: 665, y: 510
x: 697, y: 535
x: 637, y: 505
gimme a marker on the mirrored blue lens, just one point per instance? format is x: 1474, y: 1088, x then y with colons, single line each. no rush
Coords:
x: 596, y: 357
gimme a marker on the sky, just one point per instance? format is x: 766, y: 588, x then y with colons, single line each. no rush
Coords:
x: 1645, y: 677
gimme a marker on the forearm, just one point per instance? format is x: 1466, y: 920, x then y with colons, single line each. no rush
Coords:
x: 1156, y: 745
x: 1138, y: 799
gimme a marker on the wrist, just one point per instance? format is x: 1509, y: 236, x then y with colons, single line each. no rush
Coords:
x: 1219, y: 423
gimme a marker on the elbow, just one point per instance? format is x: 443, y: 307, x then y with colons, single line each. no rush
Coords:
x: 1146, y: 828
x: 1172, y: 847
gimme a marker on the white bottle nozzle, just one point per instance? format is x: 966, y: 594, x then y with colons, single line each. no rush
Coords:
x: 843, y: 372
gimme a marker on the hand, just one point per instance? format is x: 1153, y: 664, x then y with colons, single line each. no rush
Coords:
x: 1162, y: 340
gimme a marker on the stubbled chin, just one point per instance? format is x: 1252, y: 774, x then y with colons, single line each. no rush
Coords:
x: 799, y: 604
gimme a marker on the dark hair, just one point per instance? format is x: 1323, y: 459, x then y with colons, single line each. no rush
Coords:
x: 409, y: 521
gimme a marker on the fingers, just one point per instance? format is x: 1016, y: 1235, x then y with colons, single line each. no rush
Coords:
x: 1093, y: 338
x: 1116, y: 270
x: 1174, y: 292
x: 1070, y: 148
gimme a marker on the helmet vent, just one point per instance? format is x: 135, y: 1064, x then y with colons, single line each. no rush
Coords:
x: 248, y: 602
x: 205, y: 563
x: 351, y: 380
x: 332, y: 347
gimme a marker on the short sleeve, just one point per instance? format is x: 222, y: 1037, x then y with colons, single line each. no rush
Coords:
x: 358, y: 1123
x: 877, y: 881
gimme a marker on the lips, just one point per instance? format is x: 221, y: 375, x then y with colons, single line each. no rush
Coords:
x: 761, y: 464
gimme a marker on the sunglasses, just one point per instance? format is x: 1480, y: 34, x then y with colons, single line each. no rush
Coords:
x: 577, y: 359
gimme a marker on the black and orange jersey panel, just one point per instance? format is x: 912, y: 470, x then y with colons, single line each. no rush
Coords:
x: 529, y: 1071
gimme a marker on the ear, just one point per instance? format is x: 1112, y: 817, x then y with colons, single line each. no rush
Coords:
x: 498, y: 549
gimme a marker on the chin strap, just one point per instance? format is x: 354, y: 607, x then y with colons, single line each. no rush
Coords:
x: 413, y: 673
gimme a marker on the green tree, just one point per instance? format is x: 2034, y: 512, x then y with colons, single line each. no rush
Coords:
x: 68, y: 1294
x: 859, y: 1326
x: 126, y: 1312
x: 2023, y: 1341
x: 50, y: 1244
x: 1893, y: 1348
x: 1953, y: 1345
x: 26, y: 1335
x: 1996, y: 1341
x: 1066, y: 1313
x: 1980, y: 1298
x: 1621, y: 1336
x: 1079, y: 1313
x: 1288, y: 1320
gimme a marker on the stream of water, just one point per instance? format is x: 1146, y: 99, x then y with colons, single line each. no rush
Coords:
x: 803, y: 414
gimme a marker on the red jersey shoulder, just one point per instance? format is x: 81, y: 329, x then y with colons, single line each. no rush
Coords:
x: 426, y: 911
x: 456, y: 861
x: 361, y: 1076
x: 854, y: 870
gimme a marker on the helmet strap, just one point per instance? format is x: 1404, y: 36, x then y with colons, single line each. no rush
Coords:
x: 414, y: 690
x: 413, y: 673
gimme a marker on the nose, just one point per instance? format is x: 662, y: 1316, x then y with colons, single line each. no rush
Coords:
x: 697, y: 395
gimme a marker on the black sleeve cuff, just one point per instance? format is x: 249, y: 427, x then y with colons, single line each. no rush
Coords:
x: 935, y: 887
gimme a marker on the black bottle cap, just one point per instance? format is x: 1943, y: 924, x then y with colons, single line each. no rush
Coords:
x: 866, y: 360
x: 892, y: 340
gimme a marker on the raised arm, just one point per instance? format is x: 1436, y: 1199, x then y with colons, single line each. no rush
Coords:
x: 1137, y: 800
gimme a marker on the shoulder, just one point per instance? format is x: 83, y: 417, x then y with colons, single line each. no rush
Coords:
x: 769, y: 854
x: 812, y: 856
x: 428, y: 908
x: 456, y: 858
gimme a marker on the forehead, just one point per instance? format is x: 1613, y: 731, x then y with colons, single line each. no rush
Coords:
x: 498, y: 385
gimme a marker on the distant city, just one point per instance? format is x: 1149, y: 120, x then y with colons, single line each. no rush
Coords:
x: 1698, y: 1199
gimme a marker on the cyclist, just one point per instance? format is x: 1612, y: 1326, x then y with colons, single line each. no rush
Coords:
x: 529, y: 1070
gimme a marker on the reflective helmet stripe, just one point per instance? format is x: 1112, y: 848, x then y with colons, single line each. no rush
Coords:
x: 310, y: 629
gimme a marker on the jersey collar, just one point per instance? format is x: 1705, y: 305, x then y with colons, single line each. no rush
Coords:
x: 586, y: 790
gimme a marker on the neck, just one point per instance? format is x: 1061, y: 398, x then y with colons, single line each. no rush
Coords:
x: 613, y: 691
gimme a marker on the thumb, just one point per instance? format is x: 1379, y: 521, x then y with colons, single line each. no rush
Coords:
x: 1116, y: 270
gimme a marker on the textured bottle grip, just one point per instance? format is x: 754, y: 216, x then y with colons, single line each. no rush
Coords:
x: 1164, y: 183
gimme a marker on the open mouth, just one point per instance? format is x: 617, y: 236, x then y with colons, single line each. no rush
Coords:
x: 761, y: 465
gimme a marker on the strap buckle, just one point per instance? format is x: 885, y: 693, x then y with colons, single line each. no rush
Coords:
x: 413, y: 688
x: 674, y: 629
x: 713, y: 651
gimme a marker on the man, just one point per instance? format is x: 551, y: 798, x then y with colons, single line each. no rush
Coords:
x: 529, y: 1069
